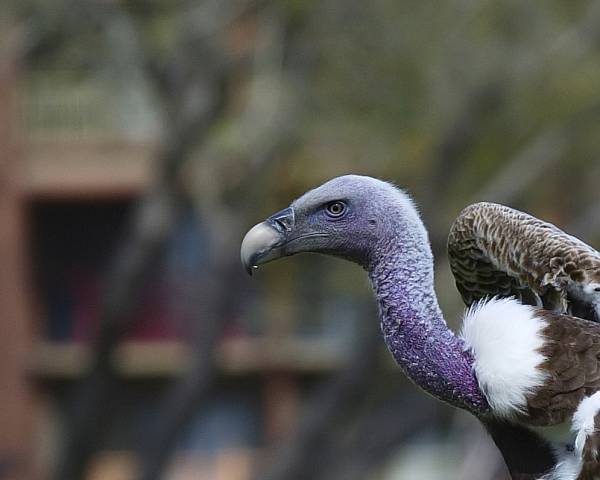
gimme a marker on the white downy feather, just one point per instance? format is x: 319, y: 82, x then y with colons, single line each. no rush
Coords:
x: 583, y: 424
x: 505, y: 337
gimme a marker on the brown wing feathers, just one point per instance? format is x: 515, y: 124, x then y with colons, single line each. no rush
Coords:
x: 495, y: 250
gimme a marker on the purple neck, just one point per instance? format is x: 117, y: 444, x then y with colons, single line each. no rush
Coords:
x: 413, y: 325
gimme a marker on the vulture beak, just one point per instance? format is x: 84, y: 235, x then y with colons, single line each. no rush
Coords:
x: 264, y: 242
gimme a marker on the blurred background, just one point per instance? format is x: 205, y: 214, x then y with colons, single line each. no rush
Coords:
x: 140, y: 139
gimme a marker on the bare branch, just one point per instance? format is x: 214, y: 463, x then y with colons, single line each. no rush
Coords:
x: 326, y: 407
x: 390, y: 424
x: 153, y: 220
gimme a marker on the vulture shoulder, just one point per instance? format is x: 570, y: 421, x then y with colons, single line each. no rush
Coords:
x: 538, y: 368
x: 495, y: 250
x: 533, y: 365
x: 570, y: 366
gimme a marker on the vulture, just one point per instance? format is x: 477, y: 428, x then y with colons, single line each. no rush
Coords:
x: 528, y: 354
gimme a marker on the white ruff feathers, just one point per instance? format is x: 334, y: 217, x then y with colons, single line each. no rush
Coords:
x: 583, y: 420
x: 505, y: 337
x: 569, y: 463
x: 567, y: 468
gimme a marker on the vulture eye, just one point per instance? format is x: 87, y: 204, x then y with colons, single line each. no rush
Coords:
x: 336, y: 209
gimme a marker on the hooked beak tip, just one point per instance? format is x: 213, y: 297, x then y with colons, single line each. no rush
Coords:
x: 260, y: 245
x: 250, y: 269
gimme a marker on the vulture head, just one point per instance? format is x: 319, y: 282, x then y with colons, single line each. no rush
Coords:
x: 349, y: 217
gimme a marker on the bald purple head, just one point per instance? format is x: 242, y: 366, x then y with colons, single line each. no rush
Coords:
x: 353, y: 217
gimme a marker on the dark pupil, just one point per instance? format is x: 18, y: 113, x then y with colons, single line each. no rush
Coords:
x: 336, y: 208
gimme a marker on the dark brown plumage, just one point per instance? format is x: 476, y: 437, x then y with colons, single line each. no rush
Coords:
x: 525, y: 452
x: 572, y: 351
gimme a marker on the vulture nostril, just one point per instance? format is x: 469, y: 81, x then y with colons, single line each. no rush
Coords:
x: 282, y: 224
x: 282, y: 221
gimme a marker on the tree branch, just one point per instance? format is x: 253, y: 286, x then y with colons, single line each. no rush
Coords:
x: 153, y: 220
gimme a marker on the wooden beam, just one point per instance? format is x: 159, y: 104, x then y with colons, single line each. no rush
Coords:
x: 92, y: 170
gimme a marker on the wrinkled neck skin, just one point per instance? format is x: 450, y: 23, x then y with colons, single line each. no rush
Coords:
x: 401, y: 272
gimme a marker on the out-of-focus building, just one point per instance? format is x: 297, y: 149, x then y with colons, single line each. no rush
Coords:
x: 77, y: 153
